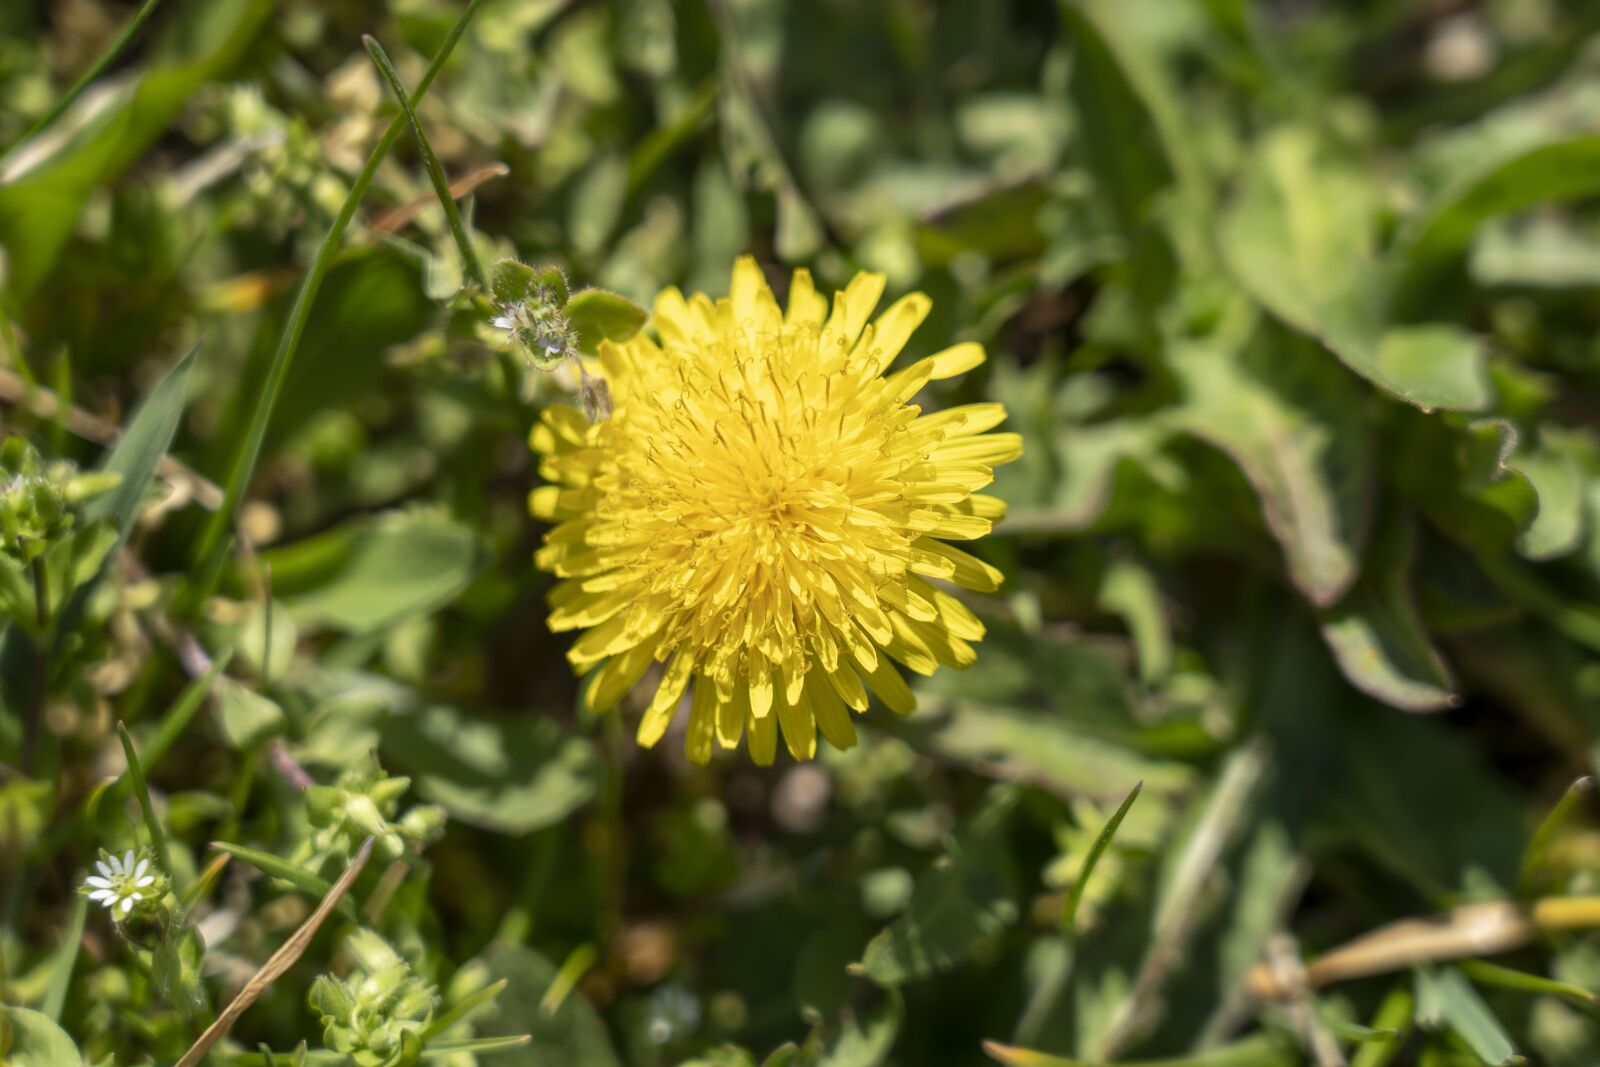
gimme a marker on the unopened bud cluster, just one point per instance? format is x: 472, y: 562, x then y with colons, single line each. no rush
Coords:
x: 540, y: 326
x: 36, y: 499
x: 364, y: 803
x: 369, y: 1014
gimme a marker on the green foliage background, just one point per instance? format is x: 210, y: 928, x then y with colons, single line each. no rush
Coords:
x: 1295, y: 303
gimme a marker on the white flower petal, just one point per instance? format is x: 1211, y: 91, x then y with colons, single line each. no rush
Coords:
x: 127, y: 905
x: 98, y: 883
x: 127, y: 861
x: 146, y: 880
x: 101, y: 866
x: 102, y: 895
x: 144, y: 865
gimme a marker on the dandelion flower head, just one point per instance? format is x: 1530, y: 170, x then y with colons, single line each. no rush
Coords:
x: 763, y: 512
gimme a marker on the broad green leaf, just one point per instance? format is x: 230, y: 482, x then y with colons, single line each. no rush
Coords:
x: 600, y: 315
x: 1447, y: 1001
x: 1041, y: 748
x: 964, y: 900
x: 1301, y: 236
x: 1444, y: 365
x: 1297, y: 427
x: 1561, y: 471
x: 1378, y: 637
x: 511, y: 775
x: 1560, y: 170
x: 371, y: 573
x: 247, y: 717
x: 36, y: 1041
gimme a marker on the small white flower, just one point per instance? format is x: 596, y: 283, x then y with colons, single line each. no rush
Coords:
x: 123, y: 881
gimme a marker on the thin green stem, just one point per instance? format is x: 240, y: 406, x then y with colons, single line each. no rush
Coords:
x: 55, y: 997
x: 108, y: 57
x: 244, y: 460
x: 33, y: 715
x: 141, y: 789
x: 441, y: 184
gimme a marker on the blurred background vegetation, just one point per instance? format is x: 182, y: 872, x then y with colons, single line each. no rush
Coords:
x: 1295, y: 302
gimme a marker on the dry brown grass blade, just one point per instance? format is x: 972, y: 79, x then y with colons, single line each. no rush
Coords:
x: 397, y: 218
x: 1472, y: 930
x: 281, y: 961
x: 44, y: 404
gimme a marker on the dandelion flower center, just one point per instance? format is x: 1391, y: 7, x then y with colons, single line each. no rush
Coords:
x: 762, y: 511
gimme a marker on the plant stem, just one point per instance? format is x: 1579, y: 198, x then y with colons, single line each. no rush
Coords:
x: 34, y: 713
x: 441, y: 184
x: 244, y: 460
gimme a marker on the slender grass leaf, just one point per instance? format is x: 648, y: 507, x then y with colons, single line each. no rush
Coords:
x: 1069, y: 912
x: 249, y: 449
x: 1447, y: 1001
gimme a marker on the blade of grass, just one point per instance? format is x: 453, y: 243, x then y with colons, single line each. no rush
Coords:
x: 1486, y: 973
x: 441, y: 184
x: 55, y: 996
x: 1395, y: 1013
x: 1069, y: 912
x: 244, y: 461
x: 1548, y: 829
x: 303, y: 879
x: 1259, y: 1050
x: 158, y: 839
x: 280, y: 961
x: 88, y: 77
x: 202, y: 885
x: 1447, y: 1001
x: 464, y: 1008
x: 566, y: 979
x: 476, y: 1045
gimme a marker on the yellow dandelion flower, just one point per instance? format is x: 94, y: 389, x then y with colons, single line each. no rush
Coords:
x: 763, y: 511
